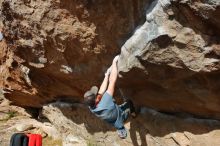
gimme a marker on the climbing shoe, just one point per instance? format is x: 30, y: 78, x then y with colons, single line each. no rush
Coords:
x: 122, y: 133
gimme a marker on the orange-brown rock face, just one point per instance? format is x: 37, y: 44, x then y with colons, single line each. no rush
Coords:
x: 60, y: 48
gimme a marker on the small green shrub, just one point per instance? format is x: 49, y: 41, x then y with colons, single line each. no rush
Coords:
x: 10, y: 114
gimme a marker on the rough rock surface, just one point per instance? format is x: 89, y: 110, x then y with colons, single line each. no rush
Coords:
x: 58, y: 49
x: 65, y: 124
x: 172, y: 62
x: 15, y: 119
x: 151, y: 128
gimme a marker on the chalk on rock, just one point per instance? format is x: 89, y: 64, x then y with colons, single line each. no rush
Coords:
x: 164, y: 3
x: 1, y: 36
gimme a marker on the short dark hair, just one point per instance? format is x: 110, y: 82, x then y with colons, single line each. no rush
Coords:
x: 90, y: 100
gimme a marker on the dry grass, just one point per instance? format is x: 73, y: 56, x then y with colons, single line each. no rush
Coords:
x: 48, y: 141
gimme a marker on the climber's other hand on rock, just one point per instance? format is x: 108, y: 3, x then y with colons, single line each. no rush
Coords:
x: 115, y: 60
x: 107, y: 73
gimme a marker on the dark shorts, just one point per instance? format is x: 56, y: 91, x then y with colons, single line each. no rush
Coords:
x: 125, y: 111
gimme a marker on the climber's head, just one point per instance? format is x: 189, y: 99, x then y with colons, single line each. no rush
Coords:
x: 90, y: 96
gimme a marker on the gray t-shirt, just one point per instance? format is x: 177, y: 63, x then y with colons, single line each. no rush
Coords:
x: 108, y: 111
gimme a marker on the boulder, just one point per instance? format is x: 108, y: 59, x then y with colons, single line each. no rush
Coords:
x: 79, y: 127
x: 58, y: 49
x: 171, y: 62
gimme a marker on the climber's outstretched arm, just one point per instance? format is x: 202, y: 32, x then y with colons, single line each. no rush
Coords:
x: 113, y: 76
x: 104, y: 84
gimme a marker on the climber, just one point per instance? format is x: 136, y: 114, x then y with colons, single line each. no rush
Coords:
x: 100, y: 101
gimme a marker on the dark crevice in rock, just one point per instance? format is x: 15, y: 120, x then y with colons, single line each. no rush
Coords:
x: 34, y: 112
